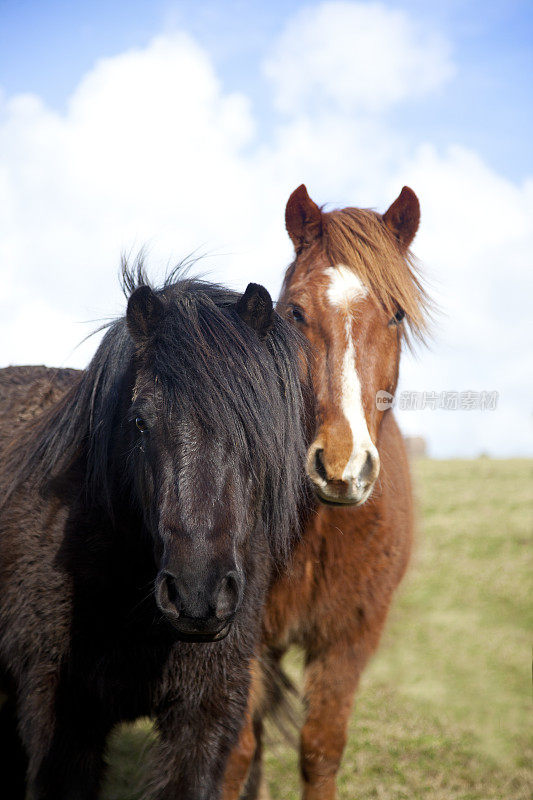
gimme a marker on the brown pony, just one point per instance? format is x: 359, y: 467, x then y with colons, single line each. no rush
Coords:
x: 353, y: 291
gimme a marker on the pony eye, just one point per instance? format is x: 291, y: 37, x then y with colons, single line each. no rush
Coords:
x: 397, y: 318
x: 141, y: 424
x: 297, y: 314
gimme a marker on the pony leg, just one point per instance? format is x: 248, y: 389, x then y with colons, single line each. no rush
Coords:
x: 244, y: 778
x: 14, y: 760
x: 66, y: 746
x: 256, y: 787
x: 330, y: 683
x: 239, y: 762
x: 190, y: 756
x: 245, y: 758
x: 183, y: 767
x: 63, y: 734
x: 72, y: 769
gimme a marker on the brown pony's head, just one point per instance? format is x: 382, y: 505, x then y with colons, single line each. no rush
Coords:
x: 352, y: 290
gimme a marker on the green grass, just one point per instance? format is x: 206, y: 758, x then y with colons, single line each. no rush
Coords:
x: 444, y: 709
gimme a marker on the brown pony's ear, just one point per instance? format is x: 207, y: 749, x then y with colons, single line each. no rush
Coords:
x: 145, y: 311
x: 256, y: 309
x: 303, y: 219
x: 403, y: 217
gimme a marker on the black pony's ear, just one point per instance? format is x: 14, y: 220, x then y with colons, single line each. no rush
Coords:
x: 403, y: 217
x: 145, y: 311
x: 256, y: 309
x: 303, y: 219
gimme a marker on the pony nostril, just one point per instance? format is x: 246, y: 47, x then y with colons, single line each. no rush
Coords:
x: 167, y: 596
x: 172, y: 591
x: 367, y: 469
x: 229, y: 595
x: 319, y: 465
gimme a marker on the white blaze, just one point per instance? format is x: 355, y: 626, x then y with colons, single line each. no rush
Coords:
x: 344, y: 290
x: 344, y: 287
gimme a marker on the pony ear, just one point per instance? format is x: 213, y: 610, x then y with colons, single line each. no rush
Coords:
x: 403, y: 217
x: 255, y: 309
x: 303, y: 219
x: 145, y: 311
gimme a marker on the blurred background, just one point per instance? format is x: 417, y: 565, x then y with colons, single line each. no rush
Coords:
x: 184, y: 126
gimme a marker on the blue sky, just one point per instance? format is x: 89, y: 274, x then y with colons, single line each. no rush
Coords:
x: 187, y: 125
x: 45, y: 48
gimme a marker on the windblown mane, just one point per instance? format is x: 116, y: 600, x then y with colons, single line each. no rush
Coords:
x: 205, y: 359
x: 360, y: 240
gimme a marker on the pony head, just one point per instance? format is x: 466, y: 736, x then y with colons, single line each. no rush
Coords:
x: 208, y: 428
x: 353, y: 291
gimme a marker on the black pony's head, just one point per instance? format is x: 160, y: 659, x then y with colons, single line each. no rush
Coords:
x: 213, y: 434
x: 190, y: 421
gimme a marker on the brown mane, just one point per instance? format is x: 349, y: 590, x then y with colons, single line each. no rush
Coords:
x: 359, y: 239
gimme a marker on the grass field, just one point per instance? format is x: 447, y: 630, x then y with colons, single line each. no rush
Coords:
x: 444, y: 709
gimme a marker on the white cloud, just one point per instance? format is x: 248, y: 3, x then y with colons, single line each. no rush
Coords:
x: 476, y: 236
x: 355, y: 57
x: 148, y: 152
x: 152, y: 150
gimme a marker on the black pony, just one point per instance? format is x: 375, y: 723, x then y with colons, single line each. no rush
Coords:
x: 141, y: 513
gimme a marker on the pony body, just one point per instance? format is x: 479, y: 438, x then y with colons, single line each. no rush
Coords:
x: 142, y: 512
x: 352, y: 290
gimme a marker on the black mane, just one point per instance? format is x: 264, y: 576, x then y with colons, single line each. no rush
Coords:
x: 206, y: 358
